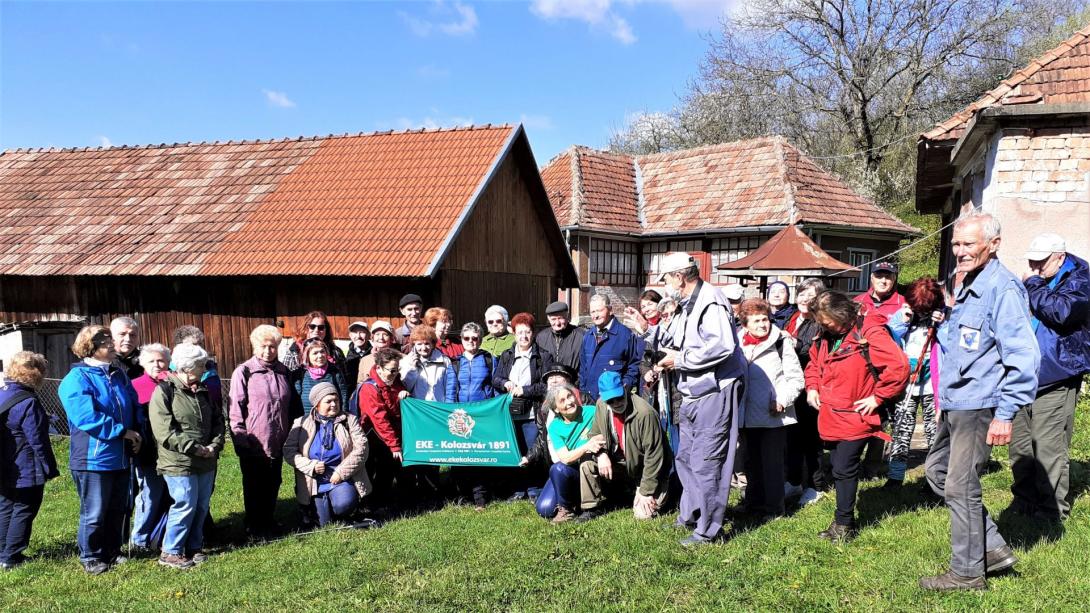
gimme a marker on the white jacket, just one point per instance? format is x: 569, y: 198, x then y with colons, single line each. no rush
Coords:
x: 774, y: 377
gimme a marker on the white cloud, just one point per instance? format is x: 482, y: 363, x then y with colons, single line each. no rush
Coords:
x: 104, y: 141
x: 454, y: 19
x: 278, y: 99
x: 603, y: 14
x: 432, y: 121
x: 536, y: 122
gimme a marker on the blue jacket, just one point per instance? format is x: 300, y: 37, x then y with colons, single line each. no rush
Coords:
x: 474, y: 377
x: 991, y: 356
x: 620, y: 351
x: 1061, y: 306
x: 25, y: 451
x: 100, y: 404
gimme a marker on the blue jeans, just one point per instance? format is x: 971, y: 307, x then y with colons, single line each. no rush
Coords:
x: 561, y: 490
x: 102, y: 499
x: 150, y: 502
x: 185, y: 521
x: 338, y: 502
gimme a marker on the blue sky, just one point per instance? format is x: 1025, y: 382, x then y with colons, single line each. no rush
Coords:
x: 90, y: 74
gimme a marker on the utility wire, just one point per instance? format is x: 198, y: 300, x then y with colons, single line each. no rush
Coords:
x: 887, y: 256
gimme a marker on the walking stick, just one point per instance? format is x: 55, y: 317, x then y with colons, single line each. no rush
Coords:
x: 916, y: 372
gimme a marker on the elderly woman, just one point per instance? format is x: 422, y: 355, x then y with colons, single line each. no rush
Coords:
x: 426, y: 373
x: 569, y: 444
x: 259, y: 414
x: 189, y: 433
x: 473, y: 378
x: 855, y: 366
x: 316, y: 370
x: 150, y: 490
x: 806, y: 473
x: 773, y: 383
x: 101, y: 407
x: 380, y: 416
x: 441, y: 319
x: 499, y: 338
x: 382, y: 337
x: 26, y: 461
x: 779, y: 299
x: 193, y: 335
x: 314, y: 325
x: 328, y: 449
x: 519, y: 372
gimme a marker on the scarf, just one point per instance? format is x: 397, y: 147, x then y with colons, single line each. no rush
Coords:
x: 325, y: 431
x: 317, y: 372
x: 749, y: 339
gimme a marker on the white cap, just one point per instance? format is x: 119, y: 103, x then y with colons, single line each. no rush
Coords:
x: 382, y: 324
x: 734, y: 292
x: 1045, y: 245
x: 673, y: 262
x: 358, y: 324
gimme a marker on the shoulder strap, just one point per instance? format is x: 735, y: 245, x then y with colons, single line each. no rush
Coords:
x: 779, y: 347
x: 168, y: 394
x: 864, y: 349
x: 16, y: 398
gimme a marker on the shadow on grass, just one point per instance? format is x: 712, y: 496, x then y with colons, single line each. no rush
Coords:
x: 1025, y: 530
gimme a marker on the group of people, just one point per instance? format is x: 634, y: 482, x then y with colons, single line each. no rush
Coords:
x: 692, y: 392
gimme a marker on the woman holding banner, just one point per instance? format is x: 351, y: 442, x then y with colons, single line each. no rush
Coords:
x: 425, y: 371
x: 570, y: 443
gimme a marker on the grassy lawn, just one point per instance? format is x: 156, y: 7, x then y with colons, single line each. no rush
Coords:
x: 507, y: 559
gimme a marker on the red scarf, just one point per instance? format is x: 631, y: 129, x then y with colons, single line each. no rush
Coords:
x: 749, y: 339
x: 793, y: 323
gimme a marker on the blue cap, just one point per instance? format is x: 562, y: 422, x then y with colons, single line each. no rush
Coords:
x: 609, y: 386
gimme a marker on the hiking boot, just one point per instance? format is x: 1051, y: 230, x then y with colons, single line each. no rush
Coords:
x: 563, y: 514
x: 95, y: 567
x: 837, y: 533
x: 950, y: 581
x: 587, y: 515
x: 999, y: 559
x: 198, y: 558
x: 175, y: 561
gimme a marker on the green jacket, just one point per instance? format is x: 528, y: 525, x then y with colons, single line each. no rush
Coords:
x: 647, y: 458
x: 180, y: 425
x: 496, y: 345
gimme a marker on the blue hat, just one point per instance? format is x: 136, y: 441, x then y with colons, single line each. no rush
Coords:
x: 609, y: 386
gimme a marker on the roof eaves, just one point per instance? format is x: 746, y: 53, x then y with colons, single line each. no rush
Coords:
x: 448, y: 242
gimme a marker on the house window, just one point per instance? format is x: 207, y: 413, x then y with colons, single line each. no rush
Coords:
x: 613, y: 262
x: 861, y: 258
x: 652, y: 260
x: 728, y: 250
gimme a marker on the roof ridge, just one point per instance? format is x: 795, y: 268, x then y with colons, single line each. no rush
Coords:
x: 641, y: 215
x: 788, y: 183
x: 576, y: 212
x: 263, y: 141
x: 705, y: 148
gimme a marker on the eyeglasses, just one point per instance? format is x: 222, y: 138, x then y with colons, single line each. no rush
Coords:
x: 493, y: 321
x: 475, y: 339
x: 316, y: 326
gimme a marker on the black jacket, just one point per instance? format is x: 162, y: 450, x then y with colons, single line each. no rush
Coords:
x: 564, y: 347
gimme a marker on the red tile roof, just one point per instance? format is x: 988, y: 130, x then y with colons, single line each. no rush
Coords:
x: 1060, y: 75
x: 789, y: 249
x: 339, y: 205
x: 760, y: 182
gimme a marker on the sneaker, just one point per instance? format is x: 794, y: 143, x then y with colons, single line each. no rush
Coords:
x: 198, y: 558
x: 809, y: 496
x: 175, y: 561
x: 118, y: 560
x: 563, y: 514
x: 95, y: 567
x: 951, y: 581
x: 587, y: 515
x: 738, y: 480
x: 792, y: 491
x: 693, y: 541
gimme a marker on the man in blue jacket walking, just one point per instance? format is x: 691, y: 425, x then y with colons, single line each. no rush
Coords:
x: 607, y: 346
x: 1058, y: 284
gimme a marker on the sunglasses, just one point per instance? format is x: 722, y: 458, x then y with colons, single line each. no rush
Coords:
x: 494, y: 321
x: 475, y: 339
x: 316, y: 326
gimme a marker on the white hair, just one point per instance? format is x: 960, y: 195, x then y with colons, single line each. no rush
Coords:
x: 263, y: 333
x: 188, y: 357
x: 495, y: 308
x: 989, y: 224
x: 128, y: 322
x: 602, y: 298
x: 153, y: 349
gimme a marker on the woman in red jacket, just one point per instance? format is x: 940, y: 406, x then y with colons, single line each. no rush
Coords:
x: 380, y: 417
x: 855, y: 366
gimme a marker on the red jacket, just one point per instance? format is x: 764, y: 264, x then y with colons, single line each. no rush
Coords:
x: 380, y: 408
x: 842, y: 377
x: 888, y: 308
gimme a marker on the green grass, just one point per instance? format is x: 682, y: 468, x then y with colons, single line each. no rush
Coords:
x: 507, y: 559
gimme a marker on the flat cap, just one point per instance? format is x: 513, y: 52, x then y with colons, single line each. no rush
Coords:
x: 556, y: 308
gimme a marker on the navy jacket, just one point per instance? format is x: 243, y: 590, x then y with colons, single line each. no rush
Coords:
x: 25, y: 451
x: 1063, y: 333
x: 101, y: 405
x: 620, y: 352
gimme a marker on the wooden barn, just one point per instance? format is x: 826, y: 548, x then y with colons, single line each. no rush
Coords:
x: 226, y: 236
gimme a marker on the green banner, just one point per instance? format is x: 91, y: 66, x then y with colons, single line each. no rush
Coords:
x: 466, y: 434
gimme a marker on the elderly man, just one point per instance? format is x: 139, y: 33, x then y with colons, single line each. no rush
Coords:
x: 607, y: 346
x: 988, y: 374
x: 882, y: 295
x: 499, y: 338
x: 382, y: 336
x: 635, y: 460
x: 126, y: 334
x: 561, y: 338
x: 711, y: 371
x: 412, y: 309
x: 1058, y: 284
x: 359, y: 335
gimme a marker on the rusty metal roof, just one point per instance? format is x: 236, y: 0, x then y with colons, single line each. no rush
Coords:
x: 789, y: 252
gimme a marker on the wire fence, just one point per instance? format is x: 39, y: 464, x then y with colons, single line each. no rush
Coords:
x: 51, y: 401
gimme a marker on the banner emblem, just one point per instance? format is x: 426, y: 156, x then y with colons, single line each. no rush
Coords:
x: 460, y: 423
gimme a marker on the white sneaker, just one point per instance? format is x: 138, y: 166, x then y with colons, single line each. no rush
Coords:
x: 809, y: 496
x: 791, y: 491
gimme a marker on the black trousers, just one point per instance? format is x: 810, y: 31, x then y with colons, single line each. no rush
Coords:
x: 396, y: 485
x: 764, y: 469
x: 260, y: 491
x: 846, y: 457
x: 18, y: 508
x: 804, y: 448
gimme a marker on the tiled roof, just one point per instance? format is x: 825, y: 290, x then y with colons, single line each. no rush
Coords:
x: 1061, y: 75
x: 377, y: 204
x: 759, y: 182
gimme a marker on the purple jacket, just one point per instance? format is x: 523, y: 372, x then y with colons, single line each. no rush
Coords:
x: 260, y: 410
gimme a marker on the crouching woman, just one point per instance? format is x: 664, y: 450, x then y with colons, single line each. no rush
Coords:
x: 570, y: 443
x: 328, y: 449
x: 189, y: 434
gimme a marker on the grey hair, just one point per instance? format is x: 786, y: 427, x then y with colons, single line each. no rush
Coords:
x: 160, y: 349
x: 813, y: 283
x: 124, y: 321
x: 603, y: 298
x: 474, y: 328
x: 691, y: 273
x: 495, y: 308
x: 188, y: 357
x: 989, y: 224
x: 188, y: 334
x: 549, y: 404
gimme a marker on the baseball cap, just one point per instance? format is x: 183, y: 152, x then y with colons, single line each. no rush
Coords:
x: 358, y: 324
x: 382, y: 324
x: 609, y: 386
x: 1045, y: 245
x: 884, y: 266
x: 673, y: 262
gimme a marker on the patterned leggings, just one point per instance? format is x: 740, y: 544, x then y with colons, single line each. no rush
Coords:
x: 904, y: 422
